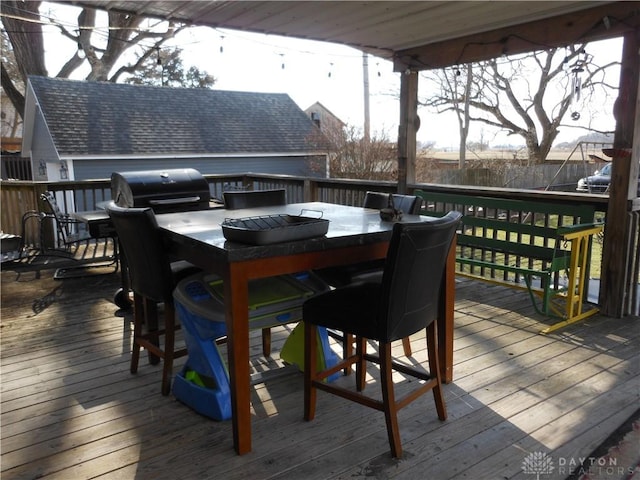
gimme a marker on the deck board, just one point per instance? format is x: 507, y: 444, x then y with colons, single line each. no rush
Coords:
x: 70, y: 409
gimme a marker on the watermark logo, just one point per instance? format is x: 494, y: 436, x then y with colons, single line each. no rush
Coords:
x: 538, y: 463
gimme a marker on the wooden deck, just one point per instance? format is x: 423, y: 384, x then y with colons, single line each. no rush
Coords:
x: 72, y: 410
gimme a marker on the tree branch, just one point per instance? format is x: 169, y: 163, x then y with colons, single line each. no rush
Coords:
x: 16, y: 97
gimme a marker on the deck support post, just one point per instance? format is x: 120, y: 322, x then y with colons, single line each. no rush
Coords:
x: 621, y: 232
x: 409, y: 124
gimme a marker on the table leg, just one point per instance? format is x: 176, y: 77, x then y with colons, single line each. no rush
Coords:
x: 445, y: 316
x: 236, y: 301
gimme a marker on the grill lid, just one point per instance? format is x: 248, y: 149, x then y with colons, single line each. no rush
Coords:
x: 163, y: 190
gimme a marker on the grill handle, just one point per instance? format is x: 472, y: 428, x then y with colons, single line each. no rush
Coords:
x: 320, y: 212
x: 174, y: 201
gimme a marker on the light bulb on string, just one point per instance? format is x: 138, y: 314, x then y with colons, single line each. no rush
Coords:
x: 282, y: 60
x: 81, y: 53
x: 584, y: 55
x: 378, y: 68
x: 221, y: 45
x: 330, y: 69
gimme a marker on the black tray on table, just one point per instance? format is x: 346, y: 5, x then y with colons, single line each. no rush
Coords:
x: 268, y: 229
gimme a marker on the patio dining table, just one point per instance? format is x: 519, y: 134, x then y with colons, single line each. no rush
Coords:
x: 355, y: 234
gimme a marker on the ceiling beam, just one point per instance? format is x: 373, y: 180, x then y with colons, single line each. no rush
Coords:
x: 598, y: 23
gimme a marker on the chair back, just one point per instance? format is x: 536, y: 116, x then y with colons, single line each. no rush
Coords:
x: 409, y: 204
x: 413, y: 275
x: 149, y: 266
x: 52, y: 204
x: 63, y: 222
x: 234, y: 200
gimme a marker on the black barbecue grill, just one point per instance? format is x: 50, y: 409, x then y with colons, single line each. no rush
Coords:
x: 175, y: 190
x: 165, y: 191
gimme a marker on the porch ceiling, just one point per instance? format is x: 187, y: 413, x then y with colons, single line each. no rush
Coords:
x: 416, y: 34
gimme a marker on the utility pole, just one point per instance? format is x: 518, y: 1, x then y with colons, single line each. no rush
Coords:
x: 365, y: 79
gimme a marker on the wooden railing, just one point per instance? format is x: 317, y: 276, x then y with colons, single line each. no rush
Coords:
x: 17, y: 197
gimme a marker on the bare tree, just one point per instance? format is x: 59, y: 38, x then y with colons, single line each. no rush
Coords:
x: 11, y: 121
x: 22, y: 21
x: 354, y: 156
x: 454, y: 85
x: 519, y: 95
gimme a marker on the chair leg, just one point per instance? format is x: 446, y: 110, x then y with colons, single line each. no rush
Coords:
x: 347, y: 350
x: 434, y: 370
x: 169, y: 345
x: 361, y: 363
x: 347, y: 346
x: 266, y: 342
x: 138, y: 316
x: 389, y: 400
x: 406, y: 344
x: 310, y: 370
x: 151, y: 319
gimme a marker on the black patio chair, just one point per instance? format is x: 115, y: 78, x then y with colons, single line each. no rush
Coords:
x: 69, y: 231
x: 347, y: 274
x: 73, y: 251
x: 236, y: 199
x: 25, y: 252
x: 409, y: 204
x: 405, y: 301
x: 73, y: 237
x: 153, y: 278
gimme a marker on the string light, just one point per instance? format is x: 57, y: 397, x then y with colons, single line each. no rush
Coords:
x: 81, y: 53
x: 606, y: 22
x: 103, y: 31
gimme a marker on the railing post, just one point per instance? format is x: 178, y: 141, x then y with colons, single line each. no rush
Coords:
x: 310, y: 191
x: 247, y: 182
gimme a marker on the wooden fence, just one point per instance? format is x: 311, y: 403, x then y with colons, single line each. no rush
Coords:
x: 558, y: 177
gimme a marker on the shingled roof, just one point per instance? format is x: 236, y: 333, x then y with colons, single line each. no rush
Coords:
x: 103, y: 118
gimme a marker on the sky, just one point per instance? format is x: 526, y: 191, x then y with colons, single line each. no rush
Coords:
x: 310, y: 72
